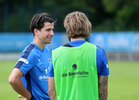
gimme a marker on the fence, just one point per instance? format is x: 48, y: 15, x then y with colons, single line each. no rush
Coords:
x: 118, y: 45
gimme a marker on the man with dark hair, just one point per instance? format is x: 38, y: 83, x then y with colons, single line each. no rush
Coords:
x: 29, y: 76
x: 78, y: 70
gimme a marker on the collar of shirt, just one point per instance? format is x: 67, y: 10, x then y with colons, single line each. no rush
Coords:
x: 77, y: 43
x: 37, y: 47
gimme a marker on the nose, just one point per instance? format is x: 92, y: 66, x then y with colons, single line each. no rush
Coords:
x: 52, y: 32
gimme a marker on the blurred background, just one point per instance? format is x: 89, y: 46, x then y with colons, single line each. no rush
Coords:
x: 115, y: 25
x: 115, y: 28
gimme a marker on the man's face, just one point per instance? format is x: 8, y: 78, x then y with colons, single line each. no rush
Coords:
x: 46, y: 33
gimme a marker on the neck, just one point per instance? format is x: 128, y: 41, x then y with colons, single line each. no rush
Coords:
x: 74, y: 39
x: 40, y: 45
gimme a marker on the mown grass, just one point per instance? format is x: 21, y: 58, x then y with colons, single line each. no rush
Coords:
x: 123, y: 80
x: 122, y: 83
x: 6, y: 91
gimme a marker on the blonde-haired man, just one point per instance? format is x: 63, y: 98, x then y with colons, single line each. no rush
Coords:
x: 79, y: 70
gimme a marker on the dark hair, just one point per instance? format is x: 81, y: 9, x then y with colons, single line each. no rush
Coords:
x: 38, y: 21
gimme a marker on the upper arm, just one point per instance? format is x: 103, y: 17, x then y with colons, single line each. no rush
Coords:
x: 102, y: 63
x: 16, y: 74
x: 25, y: 63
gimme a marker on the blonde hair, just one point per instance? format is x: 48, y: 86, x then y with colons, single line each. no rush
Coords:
x: 77, y: 25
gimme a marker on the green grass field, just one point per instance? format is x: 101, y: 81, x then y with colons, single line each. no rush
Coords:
x: 123, y: 81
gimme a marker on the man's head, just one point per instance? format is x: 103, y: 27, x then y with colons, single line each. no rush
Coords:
x: 42, y: 26
x: 77, y: 25
x: 38, y: 21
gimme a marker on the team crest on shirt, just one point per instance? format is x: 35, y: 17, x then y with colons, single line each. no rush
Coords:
x: 74, y: 66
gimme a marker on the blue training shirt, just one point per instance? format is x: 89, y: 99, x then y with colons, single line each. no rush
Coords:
x: 102, y: 63
x: 34, y: 63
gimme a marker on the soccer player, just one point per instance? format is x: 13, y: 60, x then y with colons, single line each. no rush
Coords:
x: 29, y: 76
x: 78, y: 70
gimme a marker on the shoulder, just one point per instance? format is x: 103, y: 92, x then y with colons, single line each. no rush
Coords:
x: 100, y: 51
x: 26, y: 57
x: 101, y: 55
x: 29, y: 51
x: 29, y: 48
x: 102, y: 63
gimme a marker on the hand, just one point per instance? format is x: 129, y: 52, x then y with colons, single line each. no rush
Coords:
x: 20, y: 96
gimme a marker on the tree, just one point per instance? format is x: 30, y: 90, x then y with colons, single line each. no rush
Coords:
x: 125, y: 13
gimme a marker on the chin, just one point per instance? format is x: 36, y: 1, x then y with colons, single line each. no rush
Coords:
x: 48, y: 42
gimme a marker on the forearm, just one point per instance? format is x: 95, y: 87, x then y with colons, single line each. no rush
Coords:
x: 18, y: 86
x: 52, y: 90
x: 103, y: 94
x: 52, y: 94
x: 103, y: 85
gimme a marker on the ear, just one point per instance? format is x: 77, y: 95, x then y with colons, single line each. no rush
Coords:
x: 36, y: 31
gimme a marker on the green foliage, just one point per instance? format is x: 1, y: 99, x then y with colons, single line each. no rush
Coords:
x: 49, y: 4
x: 1, y: 1
x: 107, y: 25
x: 124, y: 13
x: 14, y: 21
x: 112, y: 6
x: 105, y: 15
x: 128, y: 15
